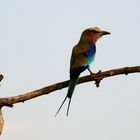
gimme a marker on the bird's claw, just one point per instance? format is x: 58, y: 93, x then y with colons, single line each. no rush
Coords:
x: 98, y: 72
x: 91, y: 73
x: 98, y: 80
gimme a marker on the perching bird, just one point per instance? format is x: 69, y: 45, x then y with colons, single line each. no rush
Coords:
x: 83, y: 55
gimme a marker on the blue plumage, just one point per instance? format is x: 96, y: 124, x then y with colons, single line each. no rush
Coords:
x: 91, y: 51
x: 90, y: 54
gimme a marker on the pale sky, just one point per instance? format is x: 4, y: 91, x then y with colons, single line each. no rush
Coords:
x: 36, y: 39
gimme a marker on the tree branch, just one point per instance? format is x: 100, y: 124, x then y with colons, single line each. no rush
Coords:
x: 1, y: 77
x: 1, y: 116
x: 9, y: 101
x: 1, y: 121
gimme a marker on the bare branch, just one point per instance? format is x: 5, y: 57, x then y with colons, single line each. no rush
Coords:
x: 1, y: 77
x: 1, y: 121
x: 9, y: 101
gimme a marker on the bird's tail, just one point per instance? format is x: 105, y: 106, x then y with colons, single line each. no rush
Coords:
x: 72, y: 84
x: 71, y: 88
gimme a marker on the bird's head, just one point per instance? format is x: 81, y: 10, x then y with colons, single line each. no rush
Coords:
x: 93, y: 34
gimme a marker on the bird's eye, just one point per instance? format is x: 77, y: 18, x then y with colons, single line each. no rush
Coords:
x: 95, y: 32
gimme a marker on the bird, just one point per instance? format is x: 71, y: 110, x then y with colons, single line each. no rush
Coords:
x: 83, y: 54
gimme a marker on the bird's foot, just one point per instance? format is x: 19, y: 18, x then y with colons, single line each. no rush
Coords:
x: 91, y: 73
x: 98, y: 80
x: 98, y: 72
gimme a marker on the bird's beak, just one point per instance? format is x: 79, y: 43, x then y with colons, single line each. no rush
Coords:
x: 105, y: 33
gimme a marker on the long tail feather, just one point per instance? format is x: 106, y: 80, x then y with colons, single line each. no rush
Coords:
x: 61, y: 106
x: 72, y: 85
x: 68, y: 107
x: 71, y: 88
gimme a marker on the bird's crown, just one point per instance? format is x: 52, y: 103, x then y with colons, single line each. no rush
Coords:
x: 96, y: 29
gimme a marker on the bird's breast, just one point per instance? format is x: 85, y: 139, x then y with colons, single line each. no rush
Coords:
x: 90, y: 54
x: 91, y: 51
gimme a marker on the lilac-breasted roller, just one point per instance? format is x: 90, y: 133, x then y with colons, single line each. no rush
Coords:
x: 83, y: 55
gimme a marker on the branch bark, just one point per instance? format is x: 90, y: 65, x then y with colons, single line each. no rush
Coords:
x: 9, y: 101
x: 1, y: 121
x: 1, y: 77
x: 1, y: 116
